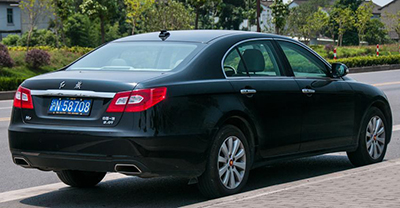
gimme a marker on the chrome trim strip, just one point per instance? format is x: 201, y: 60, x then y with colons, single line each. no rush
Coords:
x: 73, y: 93
x: 30, y: 153
x: 232, y: 47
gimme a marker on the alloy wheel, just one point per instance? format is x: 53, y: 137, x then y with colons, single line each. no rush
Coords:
x: 375, y: 137
x: 231, y: 162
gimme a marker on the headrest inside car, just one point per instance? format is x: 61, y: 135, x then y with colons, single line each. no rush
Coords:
x: 254, y: 60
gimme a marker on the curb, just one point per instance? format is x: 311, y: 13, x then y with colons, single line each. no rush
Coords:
x: 374, y: 68
x: 292, y: 185
x: 7, y: 95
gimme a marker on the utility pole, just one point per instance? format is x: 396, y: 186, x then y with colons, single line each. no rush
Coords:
x: 276, y: 28
x: 258, y: 16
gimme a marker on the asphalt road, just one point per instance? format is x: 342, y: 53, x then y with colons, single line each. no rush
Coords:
x: 168, y: 192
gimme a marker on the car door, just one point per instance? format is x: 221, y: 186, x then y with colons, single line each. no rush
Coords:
x: 267, y: 95
x: 328, y: 103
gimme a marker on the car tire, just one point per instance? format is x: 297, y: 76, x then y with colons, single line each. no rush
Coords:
x: 372, y: 142
x: 228, y: 139
x: 80, y: 179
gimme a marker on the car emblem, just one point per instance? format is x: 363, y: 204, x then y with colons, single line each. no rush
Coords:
x: 62, y: 85
x: 78, y: 85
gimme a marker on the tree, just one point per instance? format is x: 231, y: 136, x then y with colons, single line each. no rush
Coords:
x: 101, y: 9
x: 394, y: 22
x: 231, y: 14
x: 350, y: 36
x: 169, y: 15
x: 209, y: 13
x: 135, y: 9
x: 76, y: 28
x: 344, y: 19
x: 316, y: 22
x: 280, y: 11
x: 197, y: 4
x: 376, y: 32
x: 34, y: 10
x: 363, y: 16
x: 298, y: 24
x: 296, y: 21
x: 352, y: 4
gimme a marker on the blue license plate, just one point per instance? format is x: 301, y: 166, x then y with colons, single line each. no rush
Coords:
x: 70, y: 106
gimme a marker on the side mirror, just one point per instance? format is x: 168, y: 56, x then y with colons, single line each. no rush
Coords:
x: 339, y: 70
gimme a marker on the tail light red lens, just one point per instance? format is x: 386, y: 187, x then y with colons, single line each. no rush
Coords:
x: 23, y: 98
x: 137, y: 100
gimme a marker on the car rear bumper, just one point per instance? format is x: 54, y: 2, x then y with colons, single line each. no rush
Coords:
x: 95, y: 149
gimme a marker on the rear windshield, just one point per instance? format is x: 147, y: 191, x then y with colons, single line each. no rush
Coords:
x: 137, y: 56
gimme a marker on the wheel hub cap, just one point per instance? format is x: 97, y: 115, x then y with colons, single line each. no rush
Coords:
x: 231, y: 162
x: 375, y: 137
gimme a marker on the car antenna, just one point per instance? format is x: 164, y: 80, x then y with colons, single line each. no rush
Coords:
x: 164, y: 34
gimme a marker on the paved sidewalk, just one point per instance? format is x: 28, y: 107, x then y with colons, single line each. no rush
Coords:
x: 369, y: 186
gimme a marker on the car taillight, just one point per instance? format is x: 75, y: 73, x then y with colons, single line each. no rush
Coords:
x: 23, y: 98
x: 137, y: 100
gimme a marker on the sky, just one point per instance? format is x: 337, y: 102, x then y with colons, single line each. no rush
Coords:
x: 379, y: 2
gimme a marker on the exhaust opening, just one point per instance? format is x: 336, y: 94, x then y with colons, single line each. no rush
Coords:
x: 21, y: 162
x: 128, y: 169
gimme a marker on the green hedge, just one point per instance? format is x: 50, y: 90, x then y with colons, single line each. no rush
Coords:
x: 74, y: 49
x: 10, y: 83
x: 368, y: 61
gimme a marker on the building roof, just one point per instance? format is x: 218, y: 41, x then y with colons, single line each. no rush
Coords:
x: 388, y: 4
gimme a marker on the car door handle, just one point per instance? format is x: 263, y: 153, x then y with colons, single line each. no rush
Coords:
x: 308, y: 91
x: 248, y: 91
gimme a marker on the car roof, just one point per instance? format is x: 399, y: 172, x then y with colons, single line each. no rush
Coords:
x: 201, y: 36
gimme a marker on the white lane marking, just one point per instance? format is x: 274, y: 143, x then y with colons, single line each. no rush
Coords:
x: 38, y: 190
x: 3, y: 108
x: 3, y: 101
x: 373, y: 72
x: 396, y: 128
x: 5, y: 119
x: 385, y: 84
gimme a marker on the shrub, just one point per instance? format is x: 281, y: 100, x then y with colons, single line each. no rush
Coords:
x: 37, y: 58
x: 329, y: 48
x: 369, y: 60
x: 74, y: 49
x: 3, y: 48
x: 39, y: 38
x: 11, y: 40
x: 5, y: 59
x: 10, y: 83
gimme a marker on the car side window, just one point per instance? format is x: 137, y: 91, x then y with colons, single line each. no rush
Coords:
x: 259, y: 58
x: 303, y: 63
x: 231, y: 64
x: 256, y: 57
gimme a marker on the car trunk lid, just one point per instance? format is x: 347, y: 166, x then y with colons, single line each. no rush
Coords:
x: 95, y: 87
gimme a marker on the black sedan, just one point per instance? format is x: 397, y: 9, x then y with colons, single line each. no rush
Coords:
x: 206, y: 105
